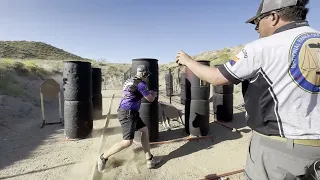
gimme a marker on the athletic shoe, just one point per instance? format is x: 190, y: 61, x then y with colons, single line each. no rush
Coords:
x: 102, y: 163
x: 153, y: 162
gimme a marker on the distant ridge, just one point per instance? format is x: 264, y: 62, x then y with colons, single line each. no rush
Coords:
x: 34, y: 50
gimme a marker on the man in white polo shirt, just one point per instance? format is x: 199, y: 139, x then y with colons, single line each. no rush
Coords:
x: 282, y: 99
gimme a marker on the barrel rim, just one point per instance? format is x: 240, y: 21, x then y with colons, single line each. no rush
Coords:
x: 74, y: 61
x: 143, y: 59
x: 96, y: 68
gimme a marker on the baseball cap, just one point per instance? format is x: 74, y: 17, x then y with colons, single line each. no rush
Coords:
x: 271, y: 5
x: 143, y: 69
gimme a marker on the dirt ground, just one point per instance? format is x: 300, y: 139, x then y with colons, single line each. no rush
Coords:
x: 28, y: 152
x: 181, y: 160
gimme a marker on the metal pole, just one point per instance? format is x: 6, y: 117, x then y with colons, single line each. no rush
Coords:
x: 60, y: 108
x: 170, y: 83
x: 42, y: 110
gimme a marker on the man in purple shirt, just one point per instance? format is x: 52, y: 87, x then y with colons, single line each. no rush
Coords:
x: 134, y: 89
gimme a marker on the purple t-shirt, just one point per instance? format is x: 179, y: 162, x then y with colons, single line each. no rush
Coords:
x: 132, y: 95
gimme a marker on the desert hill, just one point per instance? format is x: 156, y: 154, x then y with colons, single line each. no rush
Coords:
x: 34, y: 50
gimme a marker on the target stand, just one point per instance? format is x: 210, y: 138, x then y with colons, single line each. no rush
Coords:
x: 51, y: 89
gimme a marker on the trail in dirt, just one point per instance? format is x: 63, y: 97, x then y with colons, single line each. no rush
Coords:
x: 181, y: 160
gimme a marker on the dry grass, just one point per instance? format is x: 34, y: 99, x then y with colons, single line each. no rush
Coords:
x: 113, y: 73
x: 12, y: 69
x: 219, y: 56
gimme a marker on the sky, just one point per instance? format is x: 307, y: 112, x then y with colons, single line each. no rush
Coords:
x: 122, y: 30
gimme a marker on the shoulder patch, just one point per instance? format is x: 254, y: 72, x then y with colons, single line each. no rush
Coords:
x: 304, y: 62
x: 233, y: 60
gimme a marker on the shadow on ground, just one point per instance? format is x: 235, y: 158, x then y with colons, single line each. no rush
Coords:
x: 218, y: 132
x: 36, y: 171
x: 238, y: 122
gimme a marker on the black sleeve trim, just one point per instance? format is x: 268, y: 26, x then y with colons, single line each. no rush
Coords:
x: 227, y: 75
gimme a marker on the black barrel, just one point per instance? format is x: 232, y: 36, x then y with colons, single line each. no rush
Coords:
x: 78, y: 119
x: 149, y: 112
x: 78, y: 108
x: 182, y: 88
x: 169, y: 84
x: 223, y: 106
x: 97, y: 106
x: 199, y: 117
x: 96, y: 81
x: 223, y: 89
x: 96, y: 93
x: 200, y: 90
x: 187, y: 115
x: 223, y: 101
x: 185, y: 88
x: 77, y: 81
x: 199, y: 103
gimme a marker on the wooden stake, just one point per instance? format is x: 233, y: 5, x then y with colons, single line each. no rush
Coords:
x: 227, y: 126
x: 214, y: 176
x: 188, y: 138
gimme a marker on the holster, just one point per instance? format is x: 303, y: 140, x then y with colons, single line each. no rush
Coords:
x: 312, y: 172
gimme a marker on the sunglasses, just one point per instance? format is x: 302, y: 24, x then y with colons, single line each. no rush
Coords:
x: 262, y: 16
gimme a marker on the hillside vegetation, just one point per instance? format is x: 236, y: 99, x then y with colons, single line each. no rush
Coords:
x: 34, y: 50
x: 26, y: 59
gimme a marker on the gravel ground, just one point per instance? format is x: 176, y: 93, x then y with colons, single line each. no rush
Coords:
x: 27, y: 152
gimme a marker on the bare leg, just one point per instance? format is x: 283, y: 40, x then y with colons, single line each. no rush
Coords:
x: 145, y: 142
x: 117, y: 148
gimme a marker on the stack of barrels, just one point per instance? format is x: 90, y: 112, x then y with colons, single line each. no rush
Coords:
x: 223, y: 101
x: 149, y: 111
x: 169, y: 83
x: 197, y: 108
x: 96, y: 93
x: 78, y: 108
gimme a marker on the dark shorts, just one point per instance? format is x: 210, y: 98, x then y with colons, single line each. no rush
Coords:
x: 130, y: 122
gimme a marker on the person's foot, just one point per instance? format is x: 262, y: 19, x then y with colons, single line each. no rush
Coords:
x: 102, y: 163
x: 153, y: 162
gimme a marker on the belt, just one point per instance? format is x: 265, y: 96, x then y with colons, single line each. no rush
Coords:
x: 305, y: 142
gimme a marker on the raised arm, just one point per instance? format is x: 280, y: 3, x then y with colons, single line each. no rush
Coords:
x: 239, y: 68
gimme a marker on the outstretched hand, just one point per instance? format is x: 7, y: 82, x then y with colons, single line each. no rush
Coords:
x: 182, y: 58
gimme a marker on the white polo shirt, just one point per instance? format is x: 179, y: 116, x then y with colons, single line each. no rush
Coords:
x: 283, y: 96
